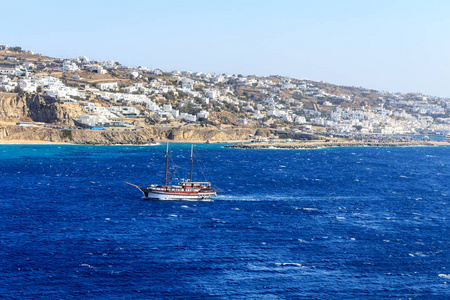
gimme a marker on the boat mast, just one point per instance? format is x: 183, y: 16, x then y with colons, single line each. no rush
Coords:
x: 192, y: 159
x: 167, y: 163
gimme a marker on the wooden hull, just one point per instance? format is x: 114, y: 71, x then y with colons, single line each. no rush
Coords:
x: 185, y: 190
x: 150, y: 193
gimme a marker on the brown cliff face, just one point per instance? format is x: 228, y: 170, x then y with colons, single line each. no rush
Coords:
x: 37, y: 108
x: 263, y: 132
x: 3, y: 132
x: 181, y: 134
x: 141, y: 137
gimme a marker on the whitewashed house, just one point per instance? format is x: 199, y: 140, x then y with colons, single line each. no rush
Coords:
x: 187, y: 84
x: 92, y: 120
x: 274, y: 112
x: 29, y: 65
x: 83, y: 60
x: 27, y: 85
x: 157, y: 72
x: 130, y: 89
x: 257, y: 115
x: 212, y: 93
x: 7, y: 84
x: 109, y: 64
x: 300, y: 119
x: 218, y: 79
x: 134, y: 74
x: 288, y: 86
x: 97, y: 69
x: 286, y: 117
x: 124, y: 110
x: 203, y: 114
x: 14, y: 71
x: 187, y: 117
x: 68, y: 66
x: 107, y: 86
x: 175, y: 113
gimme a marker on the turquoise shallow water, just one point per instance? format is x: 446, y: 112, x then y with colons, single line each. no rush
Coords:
x: 335, y: 223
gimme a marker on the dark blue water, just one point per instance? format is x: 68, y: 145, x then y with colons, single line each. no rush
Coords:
x: 341, y: 223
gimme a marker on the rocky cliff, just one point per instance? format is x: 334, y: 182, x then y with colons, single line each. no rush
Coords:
x: 33, y: 107
x: 37, y: 108
x: 144, y: 136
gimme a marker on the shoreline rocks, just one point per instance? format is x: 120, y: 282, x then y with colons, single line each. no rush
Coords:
x: 119, y: 137
x: 317, y: 145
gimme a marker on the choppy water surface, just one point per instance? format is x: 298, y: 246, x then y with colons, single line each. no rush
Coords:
x: 328, y: 224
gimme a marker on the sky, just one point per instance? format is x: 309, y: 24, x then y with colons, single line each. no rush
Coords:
x: 397, y: 45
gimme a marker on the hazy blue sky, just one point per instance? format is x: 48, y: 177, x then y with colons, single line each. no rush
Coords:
x: 401, y: 45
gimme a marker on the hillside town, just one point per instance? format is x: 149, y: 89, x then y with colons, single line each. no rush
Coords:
x: 113, y: 96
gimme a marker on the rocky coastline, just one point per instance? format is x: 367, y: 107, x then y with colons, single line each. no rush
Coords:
x: 18, y: 134
x: 237, y: 137
x: 323, y: 144
x: 36, y: 108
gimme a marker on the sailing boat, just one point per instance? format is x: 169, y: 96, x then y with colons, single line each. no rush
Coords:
x: 185, y: 190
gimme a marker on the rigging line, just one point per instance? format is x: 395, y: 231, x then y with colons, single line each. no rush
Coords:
x: 174, y: 166
x: 168, y: 178
x: 173, y: 162
x: 207, y: 171
x: 197, y: 163
x: 203, y: 168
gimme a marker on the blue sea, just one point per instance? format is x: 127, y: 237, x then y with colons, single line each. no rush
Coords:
x: 331, y: 223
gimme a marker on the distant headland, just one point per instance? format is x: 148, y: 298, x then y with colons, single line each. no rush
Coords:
x: 81, y: 101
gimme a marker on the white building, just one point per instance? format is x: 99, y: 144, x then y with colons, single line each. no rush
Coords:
x: 14, y: 71
x: 29, y: 65
x: 218, y: 79
x: 274, y: 112
x: 130, y: 89
x: 257, y: 116
x: 109, y: 64
x: 83, y: 59
x: 7, y: 84
x: 300, y: 120
x: 135, y: 74
x: 92, y: 120
x: 68, y: 66
x: 187, y: 83
x: 288, y: 86
x: 124, y: 110
x: 212, y: 94
x: 187, y: 117
x: 97, y: 69
x: 107, y: 86
x: 61, y: 92
x: 27, y: 85
x: 203, y: 114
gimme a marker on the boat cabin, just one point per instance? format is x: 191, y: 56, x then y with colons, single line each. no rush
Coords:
x: 199, y: 185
